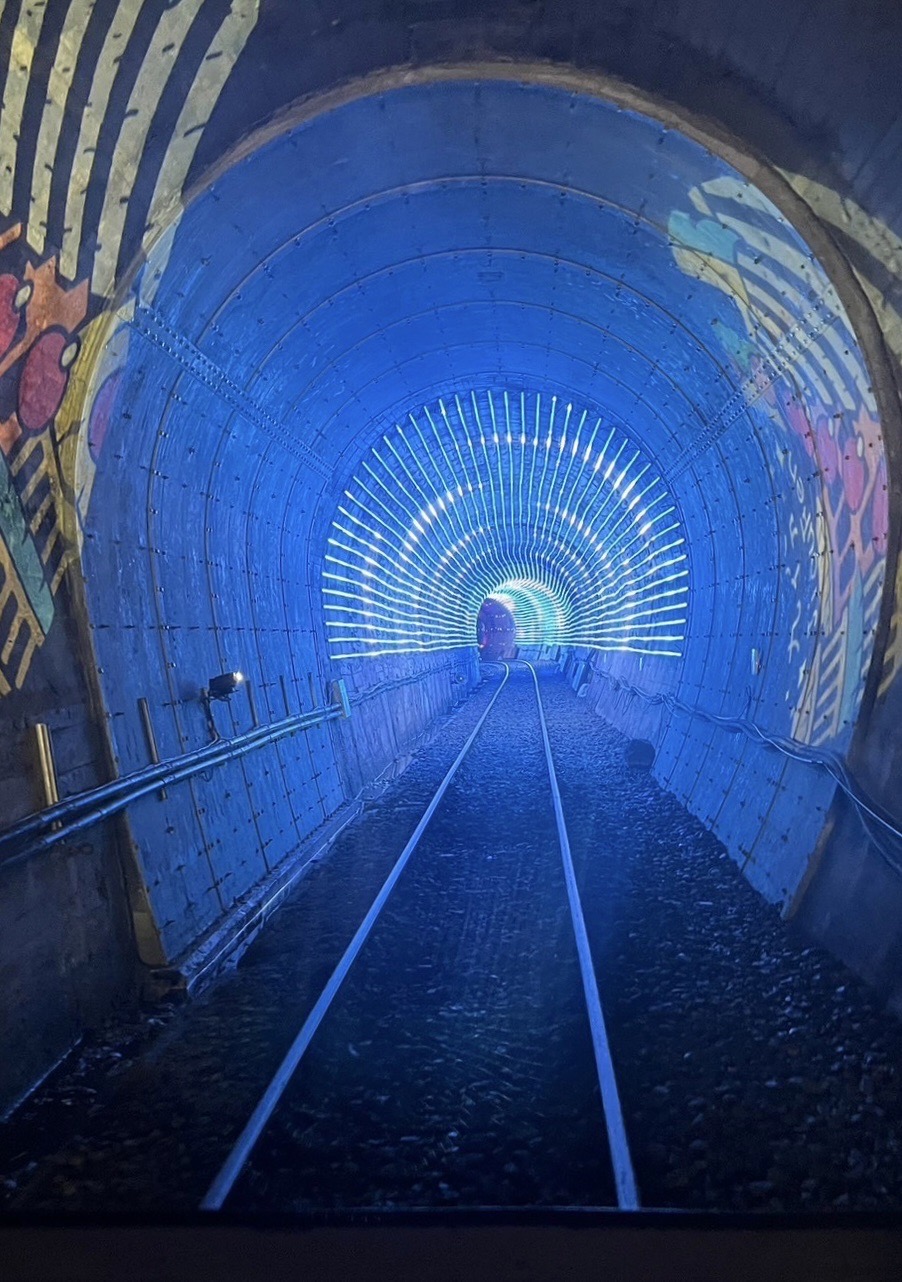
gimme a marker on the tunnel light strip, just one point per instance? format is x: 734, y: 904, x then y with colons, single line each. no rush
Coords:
x: 515, y: 495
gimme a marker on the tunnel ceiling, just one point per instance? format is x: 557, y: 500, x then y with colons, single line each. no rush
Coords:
x: 358, y: 305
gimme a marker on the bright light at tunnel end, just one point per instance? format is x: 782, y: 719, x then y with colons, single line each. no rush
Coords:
x: 515, y: 495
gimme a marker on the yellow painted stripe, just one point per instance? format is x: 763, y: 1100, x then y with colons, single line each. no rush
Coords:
x: 794, y: 262
x: 211, y: 77
x: 18, y: 623
x: 29, y: 445
x: 831, y: 680
x: 828, y: 698
x: 831, y: 684
x: 155, y: 70
x: 51, y: 543
x: 778, y: 313
x: 21, y: 671
x: 62, y: 74
x: 834, y: 644
x: 14, y: 587
x: 813, y: 359
x: 874, y: 581
x: 12, y: 635
x: 775, y: 248
x: 890, y: 660
x: 815, y: 373
x: 848, y: 360
x: 822, y: 353
x: 34, y: 523
x: 10, y: 640
x: 92, y: 118
x: 32, y: 483
x: 60, y: 570
x: 25, y: 39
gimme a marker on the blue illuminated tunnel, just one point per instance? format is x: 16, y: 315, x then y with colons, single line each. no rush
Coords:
x: 543, y: 505
x: 458, y: 337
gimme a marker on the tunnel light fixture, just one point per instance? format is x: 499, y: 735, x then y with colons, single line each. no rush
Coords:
x: 224, y: 685
x: 583, y: 536
x: 219, y: 688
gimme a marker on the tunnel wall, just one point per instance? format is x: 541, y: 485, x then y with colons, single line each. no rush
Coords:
x: 237, y: 591
x: 768, y: 809
x: 66, y: 942
x: 395, y: 704
x: 779, y: 461
x: 771, y: 78
x: 787, y: 577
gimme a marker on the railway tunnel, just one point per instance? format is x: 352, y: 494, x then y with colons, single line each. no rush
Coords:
x: 341, y: 345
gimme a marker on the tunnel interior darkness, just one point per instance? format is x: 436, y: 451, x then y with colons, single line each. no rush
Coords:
x: 473, y: 338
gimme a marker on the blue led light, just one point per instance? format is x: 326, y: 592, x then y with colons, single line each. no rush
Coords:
x: 515, y: 496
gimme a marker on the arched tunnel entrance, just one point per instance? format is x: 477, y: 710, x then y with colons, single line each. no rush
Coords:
x: 460, y: 388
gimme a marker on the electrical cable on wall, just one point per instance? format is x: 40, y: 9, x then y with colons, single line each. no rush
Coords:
x: 868, y: 810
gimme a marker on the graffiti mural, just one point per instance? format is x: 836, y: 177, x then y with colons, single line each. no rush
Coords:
x: 85, y: 184
x: 788, y: 339
x: 40, y: 318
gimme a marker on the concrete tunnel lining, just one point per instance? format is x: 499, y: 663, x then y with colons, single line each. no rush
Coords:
x: 335, y: 308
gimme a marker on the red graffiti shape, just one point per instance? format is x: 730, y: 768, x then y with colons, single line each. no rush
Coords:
x: 853, y: 476
x: 44, y: 378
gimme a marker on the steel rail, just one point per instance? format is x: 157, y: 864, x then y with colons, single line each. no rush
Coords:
x: 624, y: 1176
x: 232, y: 1167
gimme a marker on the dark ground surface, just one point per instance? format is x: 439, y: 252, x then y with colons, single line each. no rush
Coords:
x: 756, y: 1072
x: 454, y: 1067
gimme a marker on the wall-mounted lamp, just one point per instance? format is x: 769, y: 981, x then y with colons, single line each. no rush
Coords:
x: 221, y: 687
x: 225, y: 685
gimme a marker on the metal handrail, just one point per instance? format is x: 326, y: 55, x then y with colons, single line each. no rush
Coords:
x: 47, y: 828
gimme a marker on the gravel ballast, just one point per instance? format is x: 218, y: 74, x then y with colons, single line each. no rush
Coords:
x: 454, y: 1067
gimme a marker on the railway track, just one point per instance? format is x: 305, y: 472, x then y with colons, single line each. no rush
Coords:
x: 456, y: 1062
x: 416, y: 1062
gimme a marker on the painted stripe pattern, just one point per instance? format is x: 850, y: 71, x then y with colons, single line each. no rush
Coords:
x: 103, y: 104
x: 802, y: 374
x: 86, y: 143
